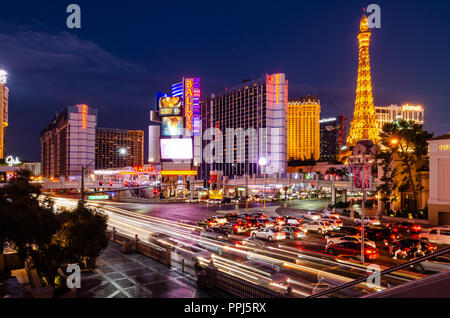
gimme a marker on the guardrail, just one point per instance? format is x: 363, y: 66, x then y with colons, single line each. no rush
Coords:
x: 386, y: 271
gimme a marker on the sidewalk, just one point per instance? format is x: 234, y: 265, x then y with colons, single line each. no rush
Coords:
x: 121, y: 275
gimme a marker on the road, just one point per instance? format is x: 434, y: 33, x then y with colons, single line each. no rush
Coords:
x: 302, y: 265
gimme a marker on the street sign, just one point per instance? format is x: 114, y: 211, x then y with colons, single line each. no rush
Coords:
x: 98, y: 197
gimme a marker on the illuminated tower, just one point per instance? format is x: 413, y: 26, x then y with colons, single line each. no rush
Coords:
x: 364, y: 123
x: 4, y: 92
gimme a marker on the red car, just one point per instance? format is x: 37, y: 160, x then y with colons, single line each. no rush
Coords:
x: 352, y: 249
x: 407, y: 227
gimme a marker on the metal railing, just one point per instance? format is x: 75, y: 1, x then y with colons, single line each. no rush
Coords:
x: 383, y: 272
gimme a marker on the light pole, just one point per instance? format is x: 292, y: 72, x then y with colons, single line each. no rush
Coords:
x: 83, y: 168
x: 263, y: 162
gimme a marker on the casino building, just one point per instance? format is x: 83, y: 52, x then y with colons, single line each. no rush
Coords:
x: 391, y: 113
x: 68, y: 142
x: 243, y: 124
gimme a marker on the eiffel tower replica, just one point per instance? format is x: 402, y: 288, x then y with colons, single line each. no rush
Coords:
x: 364, y: 123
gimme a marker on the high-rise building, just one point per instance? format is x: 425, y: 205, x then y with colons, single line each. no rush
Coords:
x: 332, y: 135
x: 391, y: 113
x: 4, y: 95
x: 68, y: 142
x: 303, y: 136
x: 364, y: 125
x: 116, y: 148
x: 245, y: 128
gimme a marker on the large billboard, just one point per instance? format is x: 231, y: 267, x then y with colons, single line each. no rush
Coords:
x: 172, y: 126
x: 170, y: 106
x: 176, y: 149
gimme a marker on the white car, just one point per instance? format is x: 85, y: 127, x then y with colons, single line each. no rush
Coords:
x: 312, y: 216
x: 219, y: 219
x: 293, y: 220
x: 319, y: 226
x: 438, y: 235
x: 336, y: 223
x: 271, y: 234
x: 357, y: 239
x: 368, y: 221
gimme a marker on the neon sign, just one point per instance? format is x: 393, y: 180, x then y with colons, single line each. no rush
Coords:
x: 13, y: 162
x: 277, y: 88
x: 189, y: 102
x: 417, y: 108
x: 192, y: 104
x: 84, y: 112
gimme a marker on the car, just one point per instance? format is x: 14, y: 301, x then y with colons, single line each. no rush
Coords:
x: 407, y: 227
x: 245, y: 216
x: 330, y: 214
x: 267, y: 223
x: 293, y: 220
x: 278, y: 220
x: 236, y: 227
x: 214, y: 233
x: 352, y: 249
x: 438, y: 235
x: 357, y: 239
x: 408, y: 246
x: 219, y: 219
x: 208, y: 222
x: 437, y: 264
x: 319, y: 226
x: 270, y: 234
x: 293, y: 232
x: 312, y: 216
x: 337, y: 223
x: 379, y: 234
x: 258, y: 215
x: 231, y: 216
x: 253, y: 224
x: 367, y: 221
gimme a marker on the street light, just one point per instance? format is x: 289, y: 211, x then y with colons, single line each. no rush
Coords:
x: 263, y: 162
x: 83, y: 169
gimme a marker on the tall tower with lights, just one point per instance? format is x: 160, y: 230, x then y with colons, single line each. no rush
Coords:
x: 364, y: 123
x: 4, y: 93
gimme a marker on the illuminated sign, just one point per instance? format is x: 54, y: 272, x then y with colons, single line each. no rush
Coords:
x: 170, y: 106
x: 176, y: 149
x: 277, y: 88
x: 98, y: 197
x: 172, y: 126
x: 326, y: 120
x: 444, y: 147
x: 84, y: 113
x: 179, y: 173
x: 11, y: 161
x: 3, y: 75
x: 192, y: 95
x: 417, y: 108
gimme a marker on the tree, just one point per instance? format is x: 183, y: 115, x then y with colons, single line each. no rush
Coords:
x: 46, y: 239
x: 405, y: 145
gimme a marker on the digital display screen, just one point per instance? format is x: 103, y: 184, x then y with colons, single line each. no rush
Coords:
x: 170, y: 106
x: 172, y: 126
x: 176, y: 149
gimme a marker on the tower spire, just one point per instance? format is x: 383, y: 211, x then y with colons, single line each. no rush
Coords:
x: 364, y: 123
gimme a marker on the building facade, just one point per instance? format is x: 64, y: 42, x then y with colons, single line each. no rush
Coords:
x: 245, y: 128
x: 115, y: 148
x: 332, y: 137
x: 68, y: 142
x: 439, y: 190
x: 391, y: 113
x: 4, y: 96
x: 303, y: 129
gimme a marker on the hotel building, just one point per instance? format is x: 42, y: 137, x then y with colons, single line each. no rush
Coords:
x: 116, y: 148
x: 391, y: 113
x: 303, y: 128
x: 4, y: 94
x: 332, y: 137
x: 68, y: 142
x: 249, y: 122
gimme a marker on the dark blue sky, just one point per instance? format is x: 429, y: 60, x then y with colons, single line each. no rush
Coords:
x: 127, y: 51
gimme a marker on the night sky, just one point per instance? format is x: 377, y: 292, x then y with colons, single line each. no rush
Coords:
x: 127, y: 51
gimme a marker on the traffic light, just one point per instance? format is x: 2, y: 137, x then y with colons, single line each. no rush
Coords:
x: 205, y: 184
x: 313, y: 185
x: 188, y: 184
x: 100, y: 183
x: 126, y: 184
